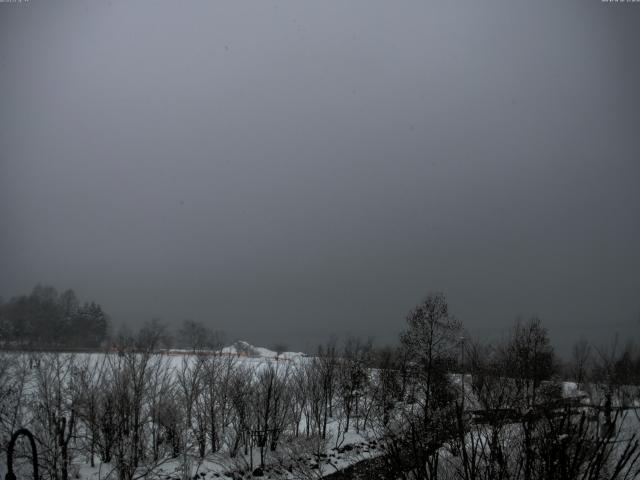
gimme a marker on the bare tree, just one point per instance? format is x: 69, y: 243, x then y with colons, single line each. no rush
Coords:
x: 272, y: 405
x: 130, y: 377
x: 214, y: 408
x: 189, y: 384
x: 580, y: 361
x: 529, y: 358
x: 328, y: 355
x: 195, y: 335
x: 15, y: 372
x: 417, y: 431
x: 55, y: 408
x: 353, y: 378
x: 606, y: 385
x: 160, y: 392
x: 89, y: 377
x: 242, y: 388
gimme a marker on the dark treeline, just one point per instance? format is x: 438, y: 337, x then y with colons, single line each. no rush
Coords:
x: 48, y: 319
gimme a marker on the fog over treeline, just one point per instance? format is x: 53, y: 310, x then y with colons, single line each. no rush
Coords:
x: 48, y: 319
x: 45, y: 318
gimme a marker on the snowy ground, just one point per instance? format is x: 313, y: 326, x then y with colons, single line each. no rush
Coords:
x: 285, y: 463
x: 292, y: 459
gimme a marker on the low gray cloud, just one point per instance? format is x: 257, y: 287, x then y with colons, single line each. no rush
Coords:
x: 288, y: 170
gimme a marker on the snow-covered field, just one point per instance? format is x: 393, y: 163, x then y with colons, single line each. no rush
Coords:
x: 186, y: 398
x: 301, y: 452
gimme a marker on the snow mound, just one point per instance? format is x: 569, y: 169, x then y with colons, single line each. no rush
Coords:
x: 243, y: 348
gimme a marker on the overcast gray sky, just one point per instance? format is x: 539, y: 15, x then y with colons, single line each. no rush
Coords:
x: 287, y: 170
